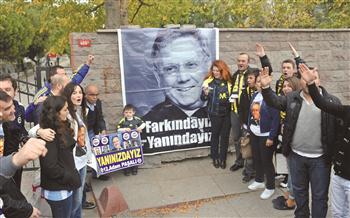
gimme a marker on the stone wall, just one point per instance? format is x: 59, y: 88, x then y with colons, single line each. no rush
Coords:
x: 328, y: 50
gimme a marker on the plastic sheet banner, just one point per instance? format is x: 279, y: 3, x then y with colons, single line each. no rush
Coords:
x: 162, y: 71
x: 117, y: 151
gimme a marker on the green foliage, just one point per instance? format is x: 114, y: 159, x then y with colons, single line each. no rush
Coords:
x: 243, y: 13
x: 15, y: 35
x: 31, y: 29
x: 157, y: 13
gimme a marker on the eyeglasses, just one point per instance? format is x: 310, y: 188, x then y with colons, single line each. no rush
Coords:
x: 174, y: 68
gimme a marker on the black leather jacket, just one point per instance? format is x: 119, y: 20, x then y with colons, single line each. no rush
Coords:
x: 14, y: 203
x: 341, y: 158
x: 292, y: 105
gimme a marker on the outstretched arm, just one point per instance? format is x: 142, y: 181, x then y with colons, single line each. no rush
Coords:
x: 271, y: 99
x: 79, y: 76
x: 264, y: 60
x: 297, y: 58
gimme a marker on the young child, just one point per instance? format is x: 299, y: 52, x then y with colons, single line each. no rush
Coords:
x: 128, y: 123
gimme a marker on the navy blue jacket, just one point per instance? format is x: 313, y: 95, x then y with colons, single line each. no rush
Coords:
x: 14, y: 131
x: 95, y: 120
x: 269, y: 119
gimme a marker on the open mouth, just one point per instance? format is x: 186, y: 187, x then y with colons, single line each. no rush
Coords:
x: 184, y: 89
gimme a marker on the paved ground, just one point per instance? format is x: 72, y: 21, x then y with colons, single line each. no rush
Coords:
x: 191, y: 188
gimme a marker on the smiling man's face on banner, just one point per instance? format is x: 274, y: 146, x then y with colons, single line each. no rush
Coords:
x: 182, y: 68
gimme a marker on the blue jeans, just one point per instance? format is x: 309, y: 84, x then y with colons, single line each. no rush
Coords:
x: 78, y: 195
x: 61, y: 208
x: 340, y: 198
x: 289, y: 185
x: 315, y: 171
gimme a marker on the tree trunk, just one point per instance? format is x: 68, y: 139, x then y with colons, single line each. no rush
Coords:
x: 124, y: 12
x: 116, y: 13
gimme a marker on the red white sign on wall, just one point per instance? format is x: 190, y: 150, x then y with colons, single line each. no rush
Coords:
x: 84, y: 42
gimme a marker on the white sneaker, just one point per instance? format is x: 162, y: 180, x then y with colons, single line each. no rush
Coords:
x: 256, y: 185
x: 267, y: 193
x: 284, y: 185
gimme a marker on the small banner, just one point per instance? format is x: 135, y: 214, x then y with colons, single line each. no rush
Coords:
x: 117, y: 151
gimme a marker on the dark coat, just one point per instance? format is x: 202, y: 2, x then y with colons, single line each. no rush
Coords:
x: 57, y: 168
x: 14, y: 203
x: 244, y: 105
x: 341, y: 158
x: 14, y: 131
x: 95, y: 119
x: 292, y: 104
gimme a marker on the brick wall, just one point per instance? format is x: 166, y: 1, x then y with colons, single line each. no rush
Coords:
x: 328, y: 50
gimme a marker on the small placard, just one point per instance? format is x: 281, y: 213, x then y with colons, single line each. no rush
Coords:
x: 84, y: 42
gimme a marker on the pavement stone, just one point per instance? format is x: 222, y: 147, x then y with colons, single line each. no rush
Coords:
x: 189, y: 188
x: 230, y: 184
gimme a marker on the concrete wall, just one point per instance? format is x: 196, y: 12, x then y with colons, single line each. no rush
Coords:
x: 328, y: 50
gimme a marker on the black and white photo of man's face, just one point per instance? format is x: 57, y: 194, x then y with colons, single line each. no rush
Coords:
x: 182, y: 68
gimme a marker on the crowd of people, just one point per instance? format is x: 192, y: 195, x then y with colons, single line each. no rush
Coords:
x: 66, y: 118
x: 311, y: 125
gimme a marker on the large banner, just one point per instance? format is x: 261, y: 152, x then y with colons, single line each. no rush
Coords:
x: 162, y: 74
x: 117, y: 151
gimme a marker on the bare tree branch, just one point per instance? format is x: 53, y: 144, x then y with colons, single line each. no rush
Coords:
x: 142, y: 3
x: 95, y: 8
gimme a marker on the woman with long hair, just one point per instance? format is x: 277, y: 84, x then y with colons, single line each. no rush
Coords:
x: 217, y: 90
x: 291, y: 84
x: 59, y: 176
x: 82, y: 152
x: 287, y: 201
x: 340, y: 181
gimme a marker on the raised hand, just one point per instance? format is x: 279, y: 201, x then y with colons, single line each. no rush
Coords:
x: 259, y: 50
x: 294, y: 51
x: 265, y: 78
x: 308, y: 75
